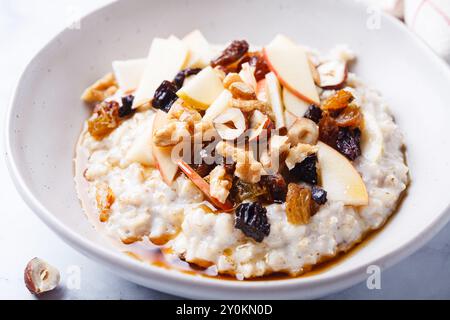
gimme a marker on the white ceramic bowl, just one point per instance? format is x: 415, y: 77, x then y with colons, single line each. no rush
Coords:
x: 46, y: 116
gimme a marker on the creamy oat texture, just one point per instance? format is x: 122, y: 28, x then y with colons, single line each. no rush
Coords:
x: 175, y: 217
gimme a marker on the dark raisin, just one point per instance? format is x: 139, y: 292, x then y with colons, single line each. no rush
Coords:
x: 235, y: 51
x: 165, y: 96
x: 319, y: 195
x: 349, y: 142
x: 306, y: 170
x: 251, y: 219
x: 328, y: 130
x: 313, y: 113
x: 255, y: 59
x: 126, y: 108
x: 179, y: 78
x: 277, y: 187
x: 203, y: 169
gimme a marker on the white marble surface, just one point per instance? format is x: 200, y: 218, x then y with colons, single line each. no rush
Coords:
x: 25, y: 25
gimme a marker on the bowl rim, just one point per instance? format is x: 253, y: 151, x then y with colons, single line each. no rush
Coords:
x: 121, y: 261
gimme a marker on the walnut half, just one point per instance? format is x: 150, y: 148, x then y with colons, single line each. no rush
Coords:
x: 101, y: 89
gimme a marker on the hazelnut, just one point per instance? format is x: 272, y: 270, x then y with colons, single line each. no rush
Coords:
x: 40, y: 277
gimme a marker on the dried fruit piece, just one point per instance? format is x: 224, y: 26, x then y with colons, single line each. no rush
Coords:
x: 349, y: 142
x: 313, y: 113
x: 165, y: 96
x: 40, y: 277
x: 256, y: 60
x: 277, y: 187
x: 349, y: 117
x: 105, y: 198
x: 104, y: 120
x: 306, y: 170
x: 318, y: 195
x: 298, y: 204
x: 126, y: 108
x: 203, y: 169
x: 242, y: 191
x: 338, y: 101
x: 251, y: 219
x: 328, y: 130
x: 235, y: 51
x: 183, y: 74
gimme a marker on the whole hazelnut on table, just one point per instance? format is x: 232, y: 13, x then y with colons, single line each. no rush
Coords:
x: 40, y: 277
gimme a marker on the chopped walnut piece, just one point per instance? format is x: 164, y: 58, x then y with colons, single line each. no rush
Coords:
x: 303, y: 131
x: 249, y: 171
x: 105, y: 199
x: 231, y: 78
x: 241, y: 90
x: 247, y: 167
x: 299, y: 153
x: 204, y: 131
x: 184, y: 114
x: 250, y: 105
x: 220, y: 183
x: 101, y: 89
x: 298, y: 204
x: 171, y: 134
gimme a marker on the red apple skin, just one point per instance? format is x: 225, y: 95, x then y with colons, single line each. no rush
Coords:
x: 261, y: 91
x: 203, y: 185
x: 284, y: 83
x: 339, y: 85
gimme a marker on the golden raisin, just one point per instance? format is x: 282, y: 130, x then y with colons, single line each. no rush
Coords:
x: 338, y: 101
x: 105, y: 199
x: 349, y: 117
x: 104, y: 120
x: 298, y: 204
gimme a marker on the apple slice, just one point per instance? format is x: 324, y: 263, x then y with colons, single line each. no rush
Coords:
x: 290, y: 118
x: 141, y: 149
x: 165, y: 59
x: 339, y: 178
x: 371, y: 138
x: 293, y: 104
x: 274, y: 97
x: 332, y: 74
x: 200, y: 53
x: 247, y: 75
x: 203, y: 89
x: 223, y: 122
x: 163, y: 155
x: 261, y: 90
x: 258, y: 123
x: 128, y: 73
x: 203, y: 185
x: 291, y: 65
x: 222, y: 103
